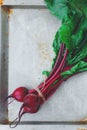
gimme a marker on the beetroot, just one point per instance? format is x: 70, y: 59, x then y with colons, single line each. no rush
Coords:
x: 31, y: 105
x: 32, y: 100
x: 19, y: 94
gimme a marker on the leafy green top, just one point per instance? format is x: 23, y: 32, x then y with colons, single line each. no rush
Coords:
x: 73, y: 30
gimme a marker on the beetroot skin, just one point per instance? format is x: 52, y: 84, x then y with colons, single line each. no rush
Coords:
x: 19, y: 94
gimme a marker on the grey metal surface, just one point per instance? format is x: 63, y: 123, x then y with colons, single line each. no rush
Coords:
x: 3, y: 65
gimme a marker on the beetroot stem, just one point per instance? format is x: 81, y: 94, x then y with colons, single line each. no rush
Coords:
x: 58, y: 61
x: 52, y: 89
x: 51, y: 82
x: 59, y: 68
x: 59, y: 58
x: 55, y: 76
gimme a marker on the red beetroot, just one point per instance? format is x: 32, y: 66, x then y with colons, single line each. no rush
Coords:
x: 31, y: 105
x: 32, y: 101
x: 19, y: 94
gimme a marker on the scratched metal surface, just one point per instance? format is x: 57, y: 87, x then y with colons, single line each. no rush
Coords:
x: 26, y: 50
x: 3, y: 65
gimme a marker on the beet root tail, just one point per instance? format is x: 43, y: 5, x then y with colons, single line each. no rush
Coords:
x: 9, y: 97
x: 15, y: 122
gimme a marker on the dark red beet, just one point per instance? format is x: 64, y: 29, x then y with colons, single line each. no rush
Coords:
x: 31, y: 105
x: 32, y: 100
x: 19, y: 94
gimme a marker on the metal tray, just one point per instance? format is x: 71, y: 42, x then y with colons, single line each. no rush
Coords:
x: 27, y: 31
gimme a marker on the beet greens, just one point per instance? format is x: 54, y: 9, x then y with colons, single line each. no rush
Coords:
x: 70, y: 48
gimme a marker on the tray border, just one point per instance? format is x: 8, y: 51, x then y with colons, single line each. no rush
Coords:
x: 22, y: 2
x: 4, y: 68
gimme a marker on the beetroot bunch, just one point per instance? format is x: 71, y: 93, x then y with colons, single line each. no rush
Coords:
x: 31, y: 102
x: 70, y: 48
